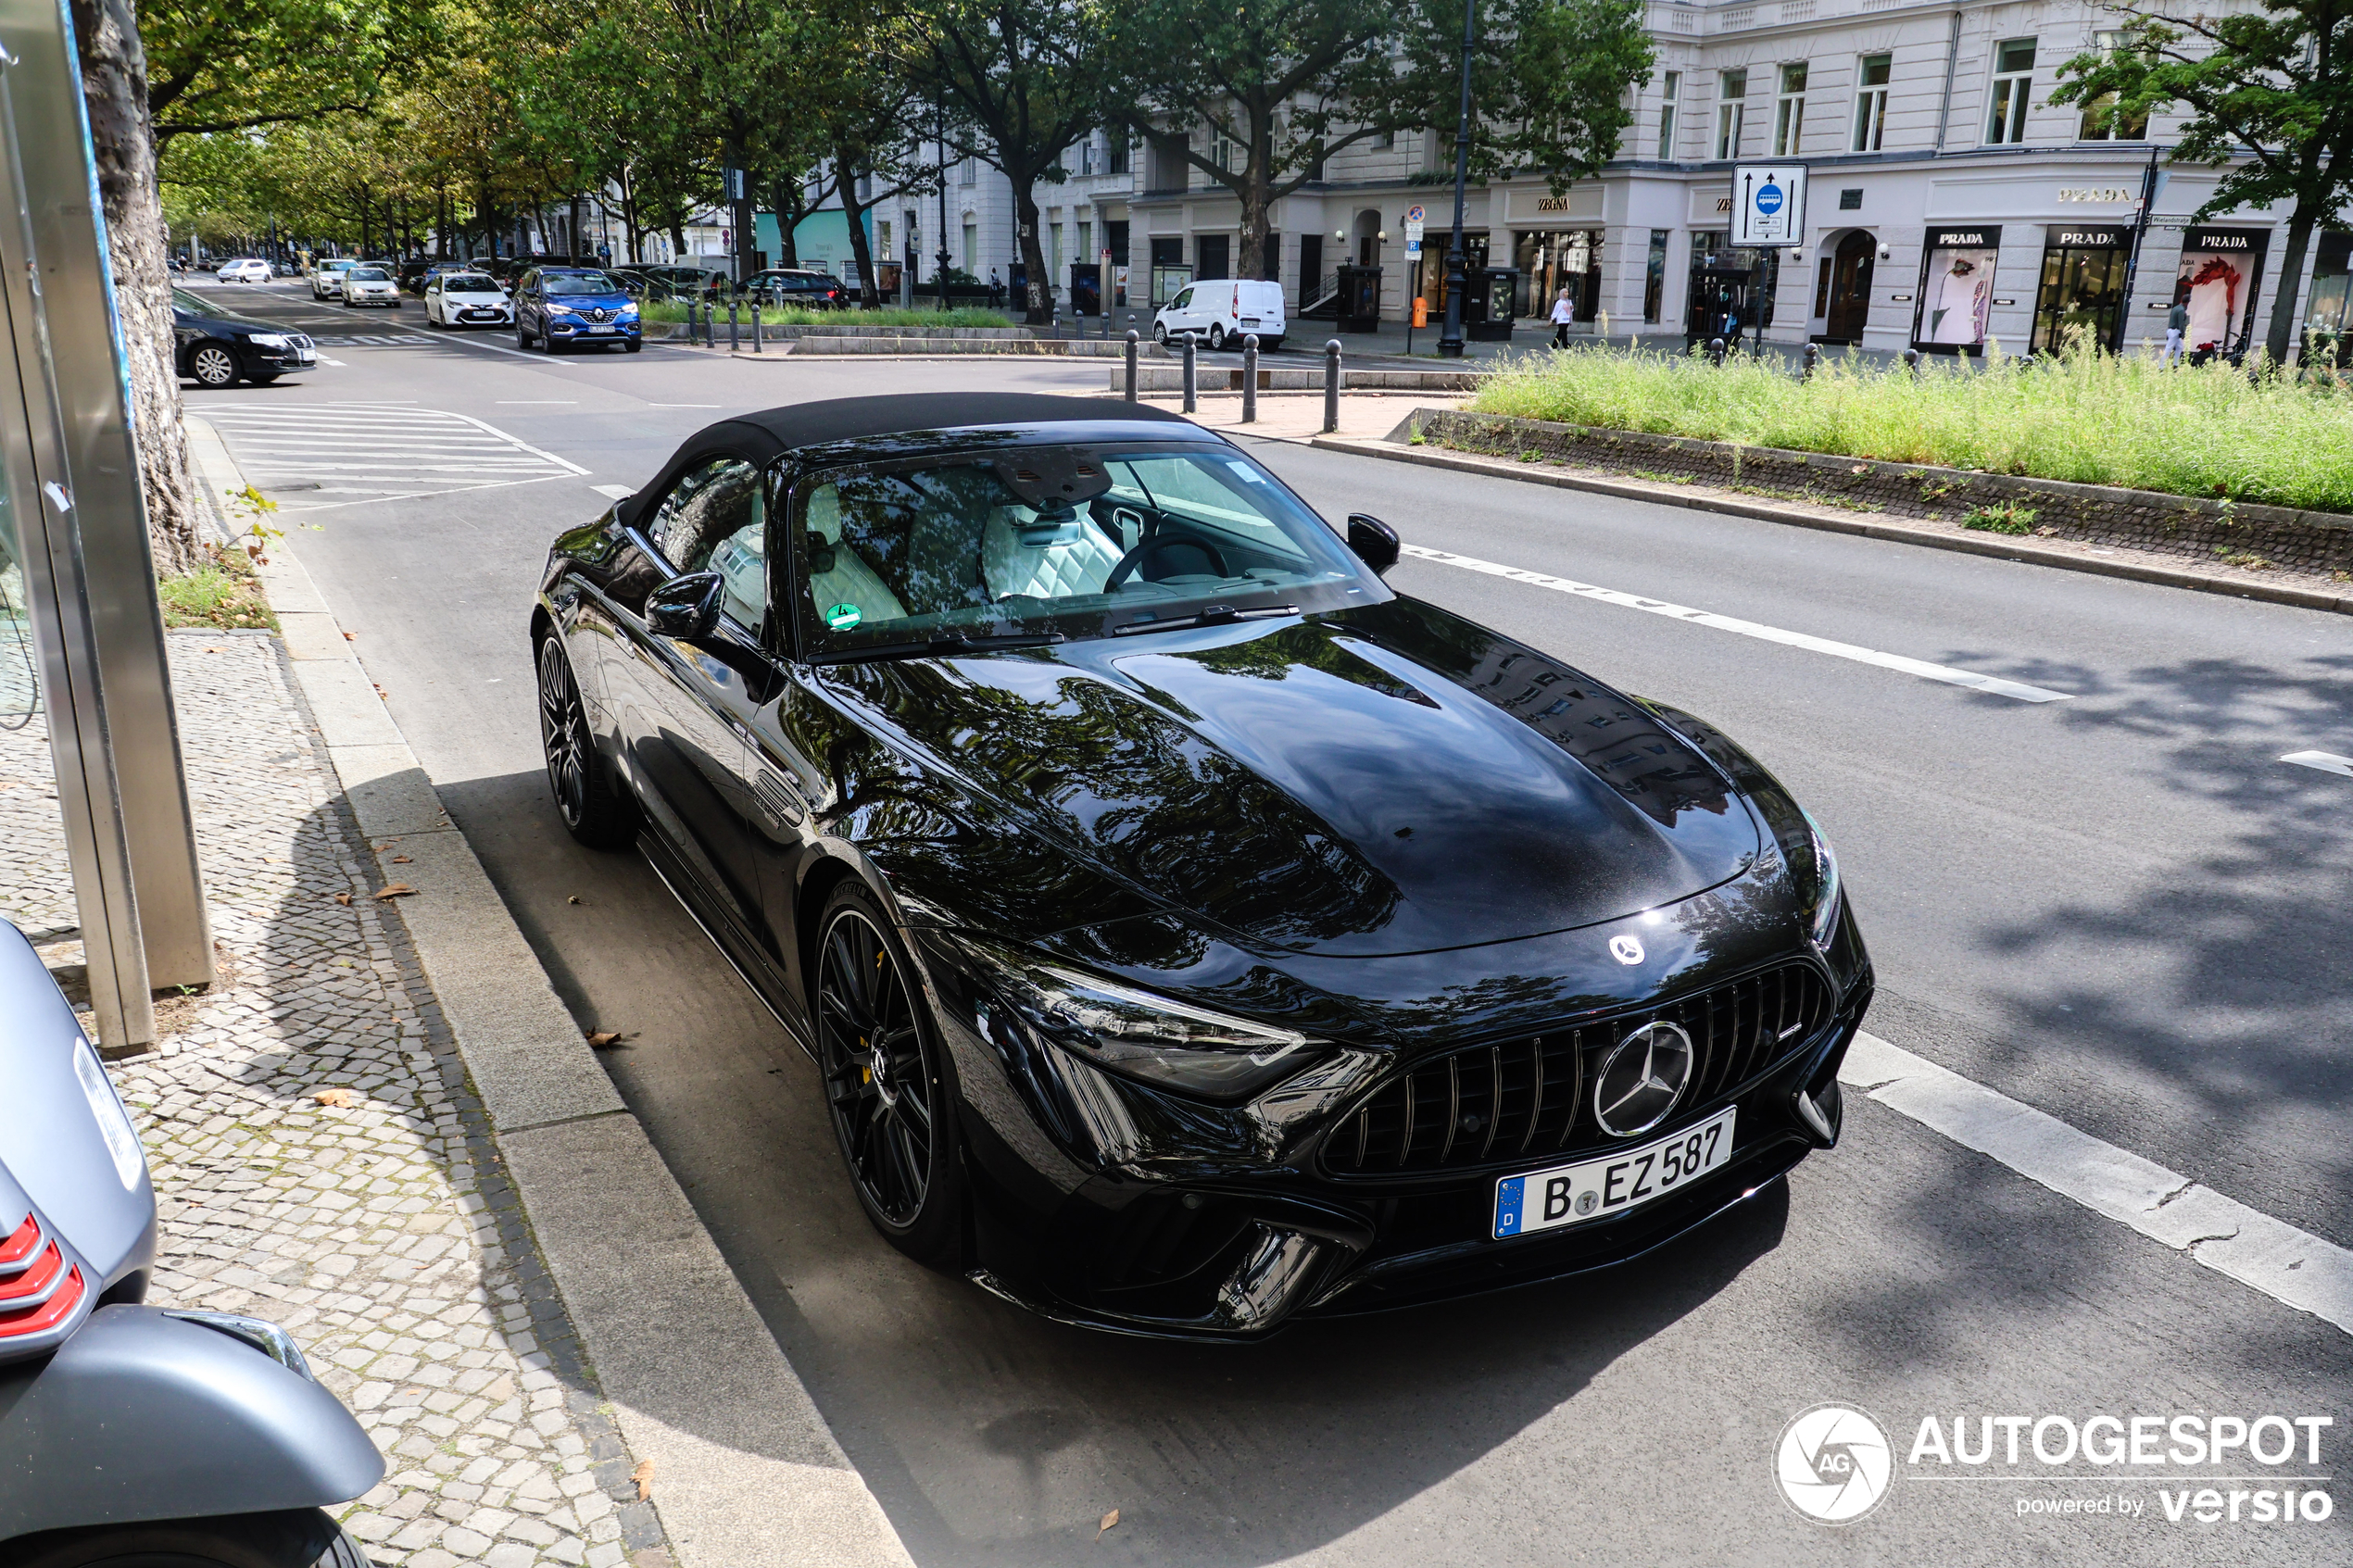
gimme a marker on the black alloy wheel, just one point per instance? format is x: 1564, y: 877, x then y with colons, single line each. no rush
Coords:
x: 213, y: 365
x: 883, y: 1080
x: 594, y: 812
x: 522, y: 335
x: 295, y: 1539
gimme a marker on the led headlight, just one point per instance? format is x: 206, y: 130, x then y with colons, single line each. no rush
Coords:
x: 1158, y: 1040
x: 1822, y: 905
x: 270, y: 340
x: 555, y: 309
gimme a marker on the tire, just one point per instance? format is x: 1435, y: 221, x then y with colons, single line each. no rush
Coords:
x: 897, y: 1132
x: 635, y: 346
x: 213, y: 365
x: 295, y: 1538
x: 1217, y: 335
x: 594, y: 812
x: 523, y: 339
x: 1160, y: 333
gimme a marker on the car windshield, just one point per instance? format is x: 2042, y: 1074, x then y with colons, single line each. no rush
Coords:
x: 190, y: 303
x: 368, y: 275
x: 578, y: 283
x: 973, y: 546
x: 467, y: 282
x: 334, y: 265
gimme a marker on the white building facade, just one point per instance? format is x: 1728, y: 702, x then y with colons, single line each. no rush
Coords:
x: 1953, y: 208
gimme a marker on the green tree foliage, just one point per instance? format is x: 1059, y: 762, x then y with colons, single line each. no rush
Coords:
x: 230, y: 65
x: 2274, y: 86
x: 1024, y: 79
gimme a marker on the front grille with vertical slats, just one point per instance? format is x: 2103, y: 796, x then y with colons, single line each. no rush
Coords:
x: 1525, y: 1098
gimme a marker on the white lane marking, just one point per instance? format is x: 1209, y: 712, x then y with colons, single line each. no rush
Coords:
x: 613, y: 492
x: 686, y: 405
x: 1993, y: 684
x: 381, y: 454
x: 2287, y: 1264
x: 2326, y: 761
x: 523, y: 402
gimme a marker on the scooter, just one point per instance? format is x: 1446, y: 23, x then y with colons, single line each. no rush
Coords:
x: 132, y: 1435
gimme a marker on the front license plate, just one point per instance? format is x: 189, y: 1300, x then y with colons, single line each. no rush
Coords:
x: 1597, y: 1190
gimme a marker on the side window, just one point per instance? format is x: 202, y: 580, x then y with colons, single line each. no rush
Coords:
x: 1182, y: 301
x: 715, y: 518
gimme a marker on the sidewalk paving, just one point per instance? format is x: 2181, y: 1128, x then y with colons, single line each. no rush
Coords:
x: 384, y: 1233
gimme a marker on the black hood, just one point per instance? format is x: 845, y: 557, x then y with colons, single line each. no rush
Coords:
x: 1391, y: 780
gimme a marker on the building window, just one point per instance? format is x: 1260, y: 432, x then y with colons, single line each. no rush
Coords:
x: 1788, y: 113
x: 968, y: 172
x: 1870, y: 101
x: 2101, y: 120
x: 2013, y: 75
x: 1086, y: 255
x: 972, y: 245
x: 1669, y: 86
x: 1118, y: 162
x: 1224, y: 151
x: 1731, y: 95
x: 1054, y: 254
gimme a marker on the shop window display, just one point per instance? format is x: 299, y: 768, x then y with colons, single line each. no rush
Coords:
x: 2216, y: 279
x: 1956, y: 288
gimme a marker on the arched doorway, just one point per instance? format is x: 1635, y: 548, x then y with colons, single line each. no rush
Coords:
x: 1368, y: 239
x: 1847, y: 285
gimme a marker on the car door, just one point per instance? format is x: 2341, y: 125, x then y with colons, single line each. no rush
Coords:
x: 434, y: 311
x: 1180, y: 317
x: 527, y: 319
x: 685, y: 705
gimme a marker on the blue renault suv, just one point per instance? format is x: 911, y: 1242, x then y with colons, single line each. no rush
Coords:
x: 561, y: 307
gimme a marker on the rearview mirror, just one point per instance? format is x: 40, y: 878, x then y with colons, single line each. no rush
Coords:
x: 1374, y: 541
x: 685, y: 607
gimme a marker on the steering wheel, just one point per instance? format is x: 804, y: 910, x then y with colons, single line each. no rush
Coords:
x: 1136, y: 556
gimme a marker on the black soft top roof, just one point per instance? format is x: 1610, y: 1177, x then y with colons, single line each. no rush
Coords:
x: 844, y: 421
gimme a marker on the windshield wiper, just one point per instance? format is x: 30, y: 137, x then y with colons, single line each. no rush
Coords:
x: 1214, y: 615
x: 937, y: 646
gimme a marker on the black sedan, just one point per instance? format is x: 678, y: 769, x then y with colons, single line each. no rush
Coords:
x: 1192, y: 932
x: 218, y: 350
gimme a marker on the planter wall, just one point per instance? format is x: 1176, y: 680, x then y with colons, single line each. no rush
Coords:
x: 2208, y: 530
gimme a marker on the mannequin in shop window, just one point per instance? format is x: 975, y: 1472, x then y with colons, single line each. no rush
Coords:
x: 2214, y: 304
x: 1956, y: 302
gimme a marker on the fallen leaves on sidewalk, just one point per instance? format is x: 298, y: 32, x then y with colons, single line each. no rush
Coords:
x: 400, y: 860
x: 1109, y: 1519
x: 603, y: 1038
x: 337, y: 1099
x: 394, y: 890
x: 340, y: 898
x: 644, y: 1476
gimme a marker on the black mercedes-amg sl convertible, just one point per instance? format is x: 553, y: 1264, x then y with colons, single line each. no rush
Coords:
x: 1192, y: 932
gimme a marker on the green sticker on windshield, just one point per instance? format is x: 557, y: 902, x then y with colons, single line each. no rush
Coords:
x: 841, y: 618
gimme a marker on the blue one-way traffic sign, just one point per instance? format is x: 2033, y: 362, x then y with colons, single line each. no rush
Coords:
x: 1768, y: 204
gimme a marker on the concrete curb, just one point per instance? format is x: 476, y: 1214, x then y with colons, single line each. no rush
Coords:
x: 746, y: 1473
x: 2003, y: 548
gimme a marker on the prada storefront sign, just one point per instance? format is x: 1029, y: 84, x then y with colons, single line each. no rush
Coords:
x: 1956, y: 287
x: 2087, y: 236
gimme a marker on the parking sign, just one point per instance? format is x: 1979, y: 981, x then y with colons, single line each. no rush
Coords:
x: 1768, y: 204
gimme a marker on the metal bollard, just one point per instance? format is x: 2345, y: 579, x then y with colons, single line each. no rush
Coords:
x: 1249, y: 378
x: 1912, y: 361
x: 1132, y: 341
x: 1331, y: 386
x: 1193, y: 385
x: 735, y: 341
x: 755, y: 326
x: 1716, y: 351
x: 1813, y: 356
x: 690, y: 323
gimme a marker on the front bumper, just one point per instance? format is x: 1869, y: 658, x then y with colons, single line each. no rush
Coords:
x: 577, y: 330
x: 300, y: 355
x: 1145, y: 1218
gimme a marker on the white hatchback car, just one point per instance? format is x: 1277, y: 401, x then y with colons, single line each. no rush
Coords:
x: 326, y: 277
x: 1223, y: 311
x: 370, y: 285
x: 466, y: 299
x: 246, y: 271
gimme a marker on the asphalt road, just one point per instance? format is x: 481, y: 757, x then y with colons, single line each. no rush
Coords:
x: 2120, y: 908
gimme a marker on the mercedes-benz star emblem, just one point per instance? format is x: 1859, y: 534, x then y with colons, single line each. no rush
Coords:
x: 1642, y: 1079
x: 1626, y: 950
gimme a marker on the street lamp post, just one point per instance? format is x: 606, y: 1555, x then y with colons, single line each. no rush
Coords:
x: 940, y: 124
x: 1450, y: 340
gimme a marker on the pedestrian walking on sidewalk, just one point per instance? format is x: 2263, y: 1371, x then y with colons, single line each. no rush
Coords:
x: 1563, y: 316
x: 2177, y: 322
x: 996, y: 290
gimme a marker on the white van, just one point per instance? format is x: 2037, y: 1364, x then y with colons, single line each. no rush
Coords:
x: 1223, y: 311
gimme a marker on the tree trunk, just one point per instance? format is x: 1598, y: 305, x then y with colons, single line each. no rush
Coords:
x: 2300, y: 225
x: 1038, y: 299
x: 1257, y: 194
x: 114, y: 84
x: 854, y: 211
x: 786, y: 198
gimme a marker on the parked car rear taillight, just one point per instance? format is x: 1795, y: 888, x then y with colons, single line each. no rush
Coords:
x: 38, y: 1288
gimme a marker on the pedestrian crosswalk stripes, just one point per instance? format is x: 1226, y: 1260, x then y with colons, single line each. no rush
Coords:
x: 350, y: 454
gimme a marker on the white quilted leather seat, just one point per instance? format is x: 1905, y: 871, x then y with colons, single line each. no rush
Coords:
x: 848, y: 580
x: 1022, y: 558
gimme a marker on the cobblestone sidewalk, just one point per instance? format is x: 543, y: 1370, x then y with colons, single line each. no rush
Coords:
x: 374, y: 1223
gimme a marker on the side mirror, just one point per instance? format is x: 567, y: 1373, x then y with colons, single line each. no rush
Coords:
x: 1374, y: 541
x: 685, y: 607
